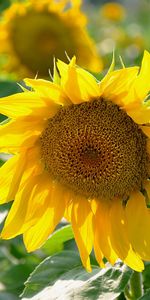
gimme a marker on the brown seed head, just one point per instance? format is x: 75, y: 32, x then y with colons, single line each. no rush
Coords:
x: 95, y: 149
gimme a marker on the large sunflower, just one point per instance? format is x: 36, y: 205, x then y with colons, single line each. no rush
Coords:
x: 33, y: 32
x: 81, y: 150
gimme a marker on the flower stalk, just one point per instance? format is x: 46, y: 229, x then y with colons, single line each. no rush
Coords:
x: 136, y: 285
x: 135, y: 290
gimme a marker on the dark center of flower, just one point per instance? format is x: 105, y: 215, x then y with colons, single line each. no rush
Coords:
x: 95, y: 149
x: 39, y: 36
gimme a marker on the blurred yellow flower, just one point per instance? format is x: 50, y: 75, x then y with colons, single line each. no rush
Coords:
x: 81, y: 149
x: 113, y: 11
x: 34, y: 32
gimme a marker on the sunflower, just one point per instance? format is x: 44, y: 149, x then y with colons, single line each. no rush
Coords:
x: 113, y: 11
x: 81, y: 149
x: 33, y: 32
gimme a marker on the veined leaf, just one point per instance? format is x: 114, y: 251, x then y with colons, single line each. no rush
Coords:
x: 62, y: 277
x: 56, y: 241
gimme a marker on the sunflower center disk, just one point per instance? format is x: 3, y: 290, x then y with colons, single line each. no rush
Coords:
x: 95, y: 150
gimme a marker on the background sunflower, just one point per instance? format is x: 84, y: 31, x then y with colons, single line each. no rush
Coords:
x: 34, y: 32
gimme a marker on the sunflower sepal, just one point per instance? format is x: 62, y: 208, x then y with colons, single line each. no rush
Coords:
x: 56, y: 76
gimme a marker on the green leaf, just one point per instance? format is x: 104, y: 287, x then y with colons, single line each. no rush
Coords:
x: 56, y: 75
x: 1, y: 162
x: 146, y: 296
x: 109, y: 283
x: 7, y: 296
x: 4, y: 4
x: 8, y: 88
x: 14, y: 277
x: 3, y: 212
x: 50, y: 270
x: 62, y: 277
x: 56, y: 241
x: 146, y: 276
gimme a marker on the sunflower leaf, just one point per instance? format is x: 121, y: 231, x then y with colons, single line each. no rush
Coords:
x: 146, y: 296
x: 7, y: 296
x: 8, y: 88
x: 146, y: 277
x: 48, y: 271
x: 56, y: 241
x: 62, y: 277
x: 4, y: 4
x: 15, y: 284
x: 56, y: 75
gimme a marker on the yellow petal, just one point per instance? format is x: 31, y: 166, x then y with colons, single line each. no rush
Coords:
x: 17, y: 214
x: 138, y: 224
x: 53, y: 211
x: 16, y: 220
x: 138, y: 92
x: 146, y: 130
x: 48, y: 89
x: 142, y: 83
x: 102, y: 230
x: 119, y: 237
x: 16, y: 217
x: 27, y: 103
x: 10, y: 176
x: 98, y: 253
x: 78, y: 84
x: 82, y: 226
x: 39, y: 191
x: 146, y: 185
x: 68, y: 209
x: 19, y: 133
x: 76, y: 3
x: 115, y: 85
x: 139, y: 112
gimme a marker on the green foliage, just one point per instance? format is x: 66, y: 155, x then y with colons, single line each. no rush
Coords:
x: 16, y: 265
x: 4, y: 4
x: 146, y: 296
x: 146, y: 278
x: 62, y: 276
x: 1, y: 162
x: 8, y: 88
x: 21, y: 271
x: 57, y: 240
x: 50, y: 270
x: 7, y: 296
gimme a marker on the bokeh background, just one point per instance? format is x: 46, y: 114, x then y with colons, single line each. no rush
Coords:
x: 119, y: 26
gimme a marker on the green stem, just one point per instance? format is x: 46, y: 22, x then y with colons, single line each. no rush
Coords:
x: 136, y: 286
x: 127, y: 293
